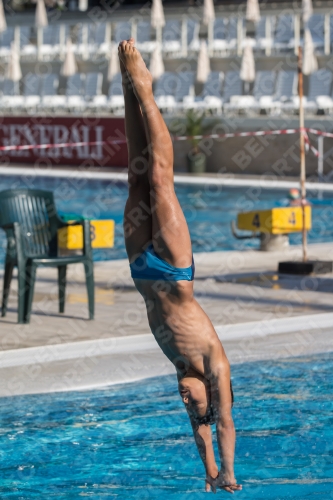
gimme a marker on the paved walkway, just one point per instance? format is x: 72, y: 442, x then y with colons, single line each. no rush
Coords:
x: 232, y: 287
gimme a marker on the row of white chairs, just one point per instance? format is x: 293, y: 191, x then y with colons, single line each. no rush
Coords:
x: 178, y: 37
x: 243, y: 105
x: 59, y: 103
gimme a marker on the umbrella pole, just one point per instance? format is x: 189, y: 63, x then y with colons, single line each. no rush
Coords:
x: 302, y: 152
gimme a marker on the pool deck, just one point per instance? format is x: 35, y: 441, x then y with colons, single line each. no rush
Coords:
x: 257, y: 314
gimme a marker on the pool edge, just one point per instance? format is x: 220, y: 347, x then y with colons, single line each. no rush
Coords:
x: 97, y: 363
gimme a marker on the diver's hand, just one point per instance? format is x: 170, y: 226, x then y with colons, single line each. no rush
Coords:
x: 224, y: 482
x: 209, y: 481
x: 211, y: 475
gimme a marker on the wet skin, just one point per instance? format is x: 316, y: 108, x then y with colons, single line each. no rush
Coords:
x: 180, y: 326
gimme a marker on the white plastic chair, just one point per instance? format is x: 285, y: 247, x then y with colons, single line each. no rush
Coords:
x: 6, y: 39
x: 233, y: 85
x: 193, y: 41
x: 219, y: 43
x: 75, y: 103
x: 292, y: 106
x: 317, y: 30
x: 28, y: 50
x: 50, y: 47
x: 115, y: 100
x: 31, y: 91
x: 284, y: 38
x: 210, y: 98
x: 264, y: 87
x: 171, y: 37
x: 116, y: 103
x: 55, y: 103
x: 241, y: 103
x: 143, y: 37
x: 320, y: 84
x: 98, y: 102
x: 166, y: 103
x: 263, y: 41
x: 74, y: 92
x: 49, y: 89
x: 268, y: 104
x: 325, y: 103
x: 233, y: 33
x: 14, y: 102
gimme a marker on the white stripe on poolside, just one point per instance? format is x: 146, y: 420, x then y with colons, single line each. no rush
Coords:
x: 179, y: 179
x: 138, y: 343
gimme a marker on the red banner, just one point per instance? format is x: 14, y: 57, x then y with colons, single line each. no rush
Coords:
x: 89, y: 141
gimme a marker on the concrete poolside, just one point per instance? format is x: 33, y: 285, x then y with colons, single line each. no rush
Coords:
x: 60, y: 352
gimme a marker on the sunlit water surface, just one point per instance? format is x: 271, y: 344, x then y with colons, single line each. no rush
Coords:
x: 209, y: 210
x: 134, y: 441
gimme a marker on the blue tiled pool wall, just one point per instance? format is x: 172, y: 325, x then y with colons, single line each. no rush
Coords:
x: 135, y: 441
x: 209, y: 210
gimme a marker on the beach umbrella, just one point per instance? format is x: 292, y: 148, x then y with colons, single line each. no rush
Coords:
x: 41, y: 16
x: 3, y: 24
x: 114, y: 67
x: 248, y: 69
x: 157, y: 15
x: 203, y: 67
x: 14, y: 72
x: 156, y: 66
x: 252, y: 11
x: 157, y: 18
x: 310, y: 63
x: 83, y: 5
x: 307, y: 10
x: 69, y: 67
x: 208, y: 12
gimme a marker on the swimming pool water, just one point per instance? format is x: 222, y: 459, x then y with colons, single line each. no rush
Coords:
x: 209, y: 210
x: 134, y: 441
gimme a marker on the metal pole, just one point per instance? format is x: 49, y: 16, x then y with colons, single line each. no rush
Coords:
x: 159, y: 35
x: 210, y: 35
x: 62, y: 40
x: 134, y: 29
x: 302, y: 151
x: 327, y: 34
x: 268, y: 35
x: 297, y: 29
x: 184, y: 37
x: 85, y: 36
x: 39, y: 42
x: 240, y: 33
x: 320, y: 158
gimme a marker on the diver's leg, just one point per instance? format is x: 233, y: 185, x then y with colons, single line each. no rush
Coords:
x: 171, y: 237
x: 137, y: 216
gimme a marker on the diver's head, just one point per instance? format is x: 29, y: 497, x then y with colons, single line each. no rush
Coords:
x: 195, y: 393
x: 294, y: 194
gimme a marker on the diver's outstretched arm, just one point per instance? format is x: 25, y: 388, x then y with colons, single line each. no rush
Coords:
x: 203, y: 439
x: 221, y: 398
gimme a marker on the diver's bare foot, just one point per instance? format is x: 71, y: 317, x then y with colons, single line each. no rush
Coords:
x: 127, y: 84
x: 122, y: 67
x: 136, y: 69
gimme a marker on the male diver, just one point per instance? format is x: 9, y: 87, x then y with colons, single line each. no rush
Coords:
x: 159, y: 250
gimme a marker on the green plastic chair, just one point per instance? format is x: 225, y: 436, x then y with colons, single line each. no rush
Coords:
x: 30, y: 220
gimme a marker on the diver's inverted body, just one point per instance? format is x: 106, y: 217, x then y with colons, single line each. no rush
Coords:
x: 159, y: 250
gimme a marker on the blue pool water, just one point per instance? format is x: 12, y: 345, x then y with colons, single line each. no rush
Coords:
x: 134, y: 441
x: 209, y: 210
